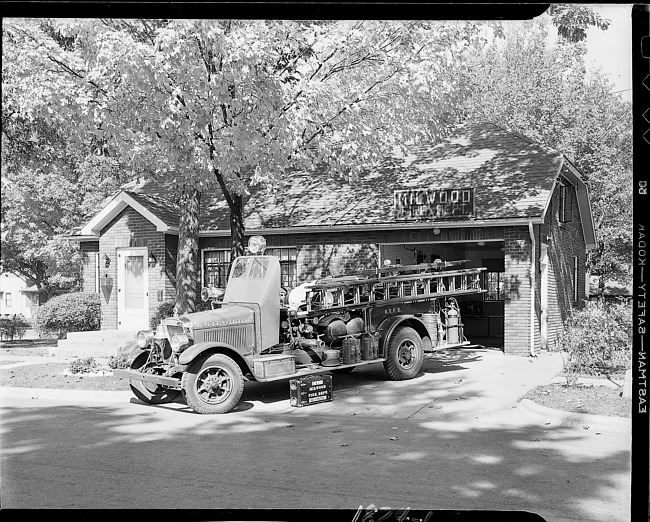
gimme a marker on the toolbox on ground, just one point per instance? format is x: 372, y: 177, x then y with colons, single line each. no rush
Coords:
x: 311, y: 389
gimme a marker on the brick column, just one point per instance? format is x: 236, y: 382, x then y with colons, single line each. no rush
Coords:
x: 517, y: 257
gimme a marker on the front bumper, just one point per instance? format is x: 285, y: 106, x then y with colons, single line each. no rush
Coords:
x: 133, y: 375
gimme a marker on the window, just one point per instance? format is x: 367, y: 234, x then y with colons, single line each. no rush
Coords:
x: 288, y: 265
x: 216, y: 267
x: 565, y: 203
x: 494, y: 279
x: 8, y: 299
x: 495, y: 286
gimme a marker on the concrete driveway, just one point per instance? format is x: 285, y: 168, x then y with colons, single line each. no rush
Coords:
x: 451, y: 439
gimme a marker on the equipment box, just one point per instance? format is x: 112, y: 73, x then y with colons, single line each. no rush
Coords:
x: 310, y: 390
x: 274, y: 366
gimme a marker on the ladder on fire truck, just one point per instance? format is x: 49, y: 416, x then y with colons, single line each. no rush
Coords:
x: 391, y: 285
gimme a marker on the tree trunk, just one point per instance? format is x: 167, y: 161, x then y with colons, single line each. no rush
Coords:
x: 236, y: 227
x: 187, y: 262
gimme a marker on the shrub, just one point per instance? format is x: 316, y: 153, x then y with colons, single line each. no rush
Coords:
x: 598, y: 339
x: 117, y: 362
x: 74, y: 312
x: 14, y: 327
x: 85, y: 365
x: 165, y: 309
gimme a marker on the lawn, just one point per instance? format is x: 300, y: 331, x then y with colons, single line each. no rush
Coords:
x: 50, y: 375
x: 582, y: 398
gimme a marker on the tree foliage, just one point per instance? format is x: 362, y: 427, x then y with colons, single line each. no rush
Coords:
x: 233, y: 103
x: 543, y: 91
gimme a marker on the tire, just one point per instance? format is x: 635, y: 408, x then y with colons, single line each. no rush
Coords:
x: 405, y: 354
x: 213, y: 384
x: 150, y: 392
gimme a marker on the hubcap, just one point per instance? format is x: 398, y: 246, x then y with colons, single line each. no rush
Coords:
x: 214, y: 385
x: 407, y: 354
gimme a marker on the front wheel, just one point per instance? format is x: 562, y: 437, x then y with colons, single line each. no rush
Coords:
x: 405, y: 354
x: 150, y: 392
x: 213, y: 384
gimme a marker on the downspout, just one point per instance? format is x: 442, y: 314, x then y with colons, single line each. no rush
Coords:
x: 533, y: 283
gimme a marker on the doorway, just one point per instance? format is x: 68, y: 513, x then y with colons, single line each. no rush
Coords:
x: 132, y: 289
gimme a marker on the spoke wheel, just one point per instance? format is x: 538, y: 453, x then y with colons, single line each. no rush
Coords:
x: 150, y: 392
x: 213, y: 384
x: 405, y: 354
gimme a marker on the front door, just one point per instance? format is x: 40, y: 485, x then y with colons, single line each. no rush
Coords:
x: 132, y: 289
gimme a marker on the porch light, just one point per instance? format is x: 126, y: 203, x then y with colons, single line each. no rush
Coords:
x: 481, y: 243
x: 436, y: 231
x: 107, y: 261
x: 152, y: 260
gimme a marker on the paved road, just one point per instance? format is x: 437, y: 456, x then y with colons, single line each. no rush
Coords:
x: 453, y: 438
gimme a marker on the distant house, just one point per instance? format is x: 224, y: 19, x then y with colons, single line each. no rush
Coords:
x: 484, y: 194
x: 17, y: 296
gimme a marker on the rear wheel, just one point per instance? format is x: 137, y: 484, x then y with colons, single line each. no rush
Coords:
x: 405, y: 354
x: 213, y: 384
x: 150, y: 392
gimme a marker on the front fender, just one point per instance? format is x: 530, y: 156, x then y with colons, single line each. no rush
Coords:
x: 130, y: 351
x: 197, y: 349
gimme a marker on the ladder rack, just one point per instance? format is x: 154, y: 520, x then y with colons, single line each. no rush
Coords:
x: 392, y: 285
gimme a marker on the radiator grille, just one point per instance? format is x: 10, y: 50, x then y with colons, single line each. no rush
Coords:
x: 236, y: 336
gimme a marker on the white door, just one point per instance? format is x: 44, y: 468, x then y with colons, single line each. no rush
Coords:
x: 132, y: 289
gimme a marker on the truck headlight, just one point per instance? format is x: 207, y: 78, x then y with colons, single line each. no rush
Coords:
x: 178, y: 341
x: 143, y: 338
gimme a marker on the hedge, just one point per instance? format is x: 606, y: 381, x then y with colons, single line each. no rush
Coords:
x: 73, y: 312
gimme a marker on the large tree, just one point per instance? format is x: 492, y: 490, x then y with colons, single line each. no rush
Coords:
x: 50, y: 179
x: 238, y: 103
x: 543, y: 91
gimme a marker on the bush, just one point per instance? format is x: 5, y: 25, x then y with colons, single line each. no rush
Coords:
x: 165, y: 309
x: 598, y: 340
x: 85, y: 365
x: 74, y: 312
x: 12, y: 328
x: 117, y: 362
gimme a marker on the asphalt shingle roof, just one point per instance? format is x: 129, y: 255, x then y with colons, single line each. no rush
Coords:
x: 512, y: 178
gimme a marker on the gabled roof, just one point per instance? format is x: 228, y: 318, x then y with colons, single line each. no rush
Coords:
x: 512, y: 177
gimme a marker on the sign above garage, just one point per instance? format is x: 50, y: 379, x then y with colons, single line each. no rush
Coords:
x: 417, y: 204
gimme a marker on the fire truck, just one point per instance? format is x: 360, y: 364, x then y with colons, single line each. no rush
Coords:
x: 395, y: 315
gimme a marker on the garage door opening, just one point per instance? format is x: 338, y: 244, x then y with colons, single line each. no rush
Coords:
x: 482, y: 315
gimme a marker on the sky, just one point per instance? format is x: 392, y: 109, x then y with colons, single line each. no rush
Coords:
x: 612, y: 49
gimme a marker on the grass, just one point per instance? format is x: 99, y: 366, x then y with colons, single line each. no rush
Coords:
x: 582, y: 398
x: 50, y: 375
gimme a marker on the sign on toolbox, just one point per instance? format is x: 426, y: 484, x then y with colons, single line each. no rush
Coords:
x: 310, y: 390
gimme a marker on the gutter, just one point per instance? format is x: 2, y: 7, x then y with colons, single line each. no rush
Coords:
x: 533, y: 283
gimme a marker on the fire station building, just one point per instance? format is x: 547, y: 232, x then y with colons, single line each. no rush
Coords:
x: 485, y: 195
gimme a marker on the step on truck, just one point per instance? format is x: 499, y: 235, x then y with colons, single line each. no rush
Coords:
x: 254, y: 331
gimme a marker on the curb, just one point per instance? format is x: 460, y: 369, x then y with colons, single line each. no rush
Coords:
x: 74, y: 396
x: 576, y: 420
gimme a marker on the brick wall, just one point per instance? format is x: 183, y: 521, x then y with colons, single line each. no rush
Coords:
x: 565, y: 241
x: 89, y: 254
x: 130, y: 229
